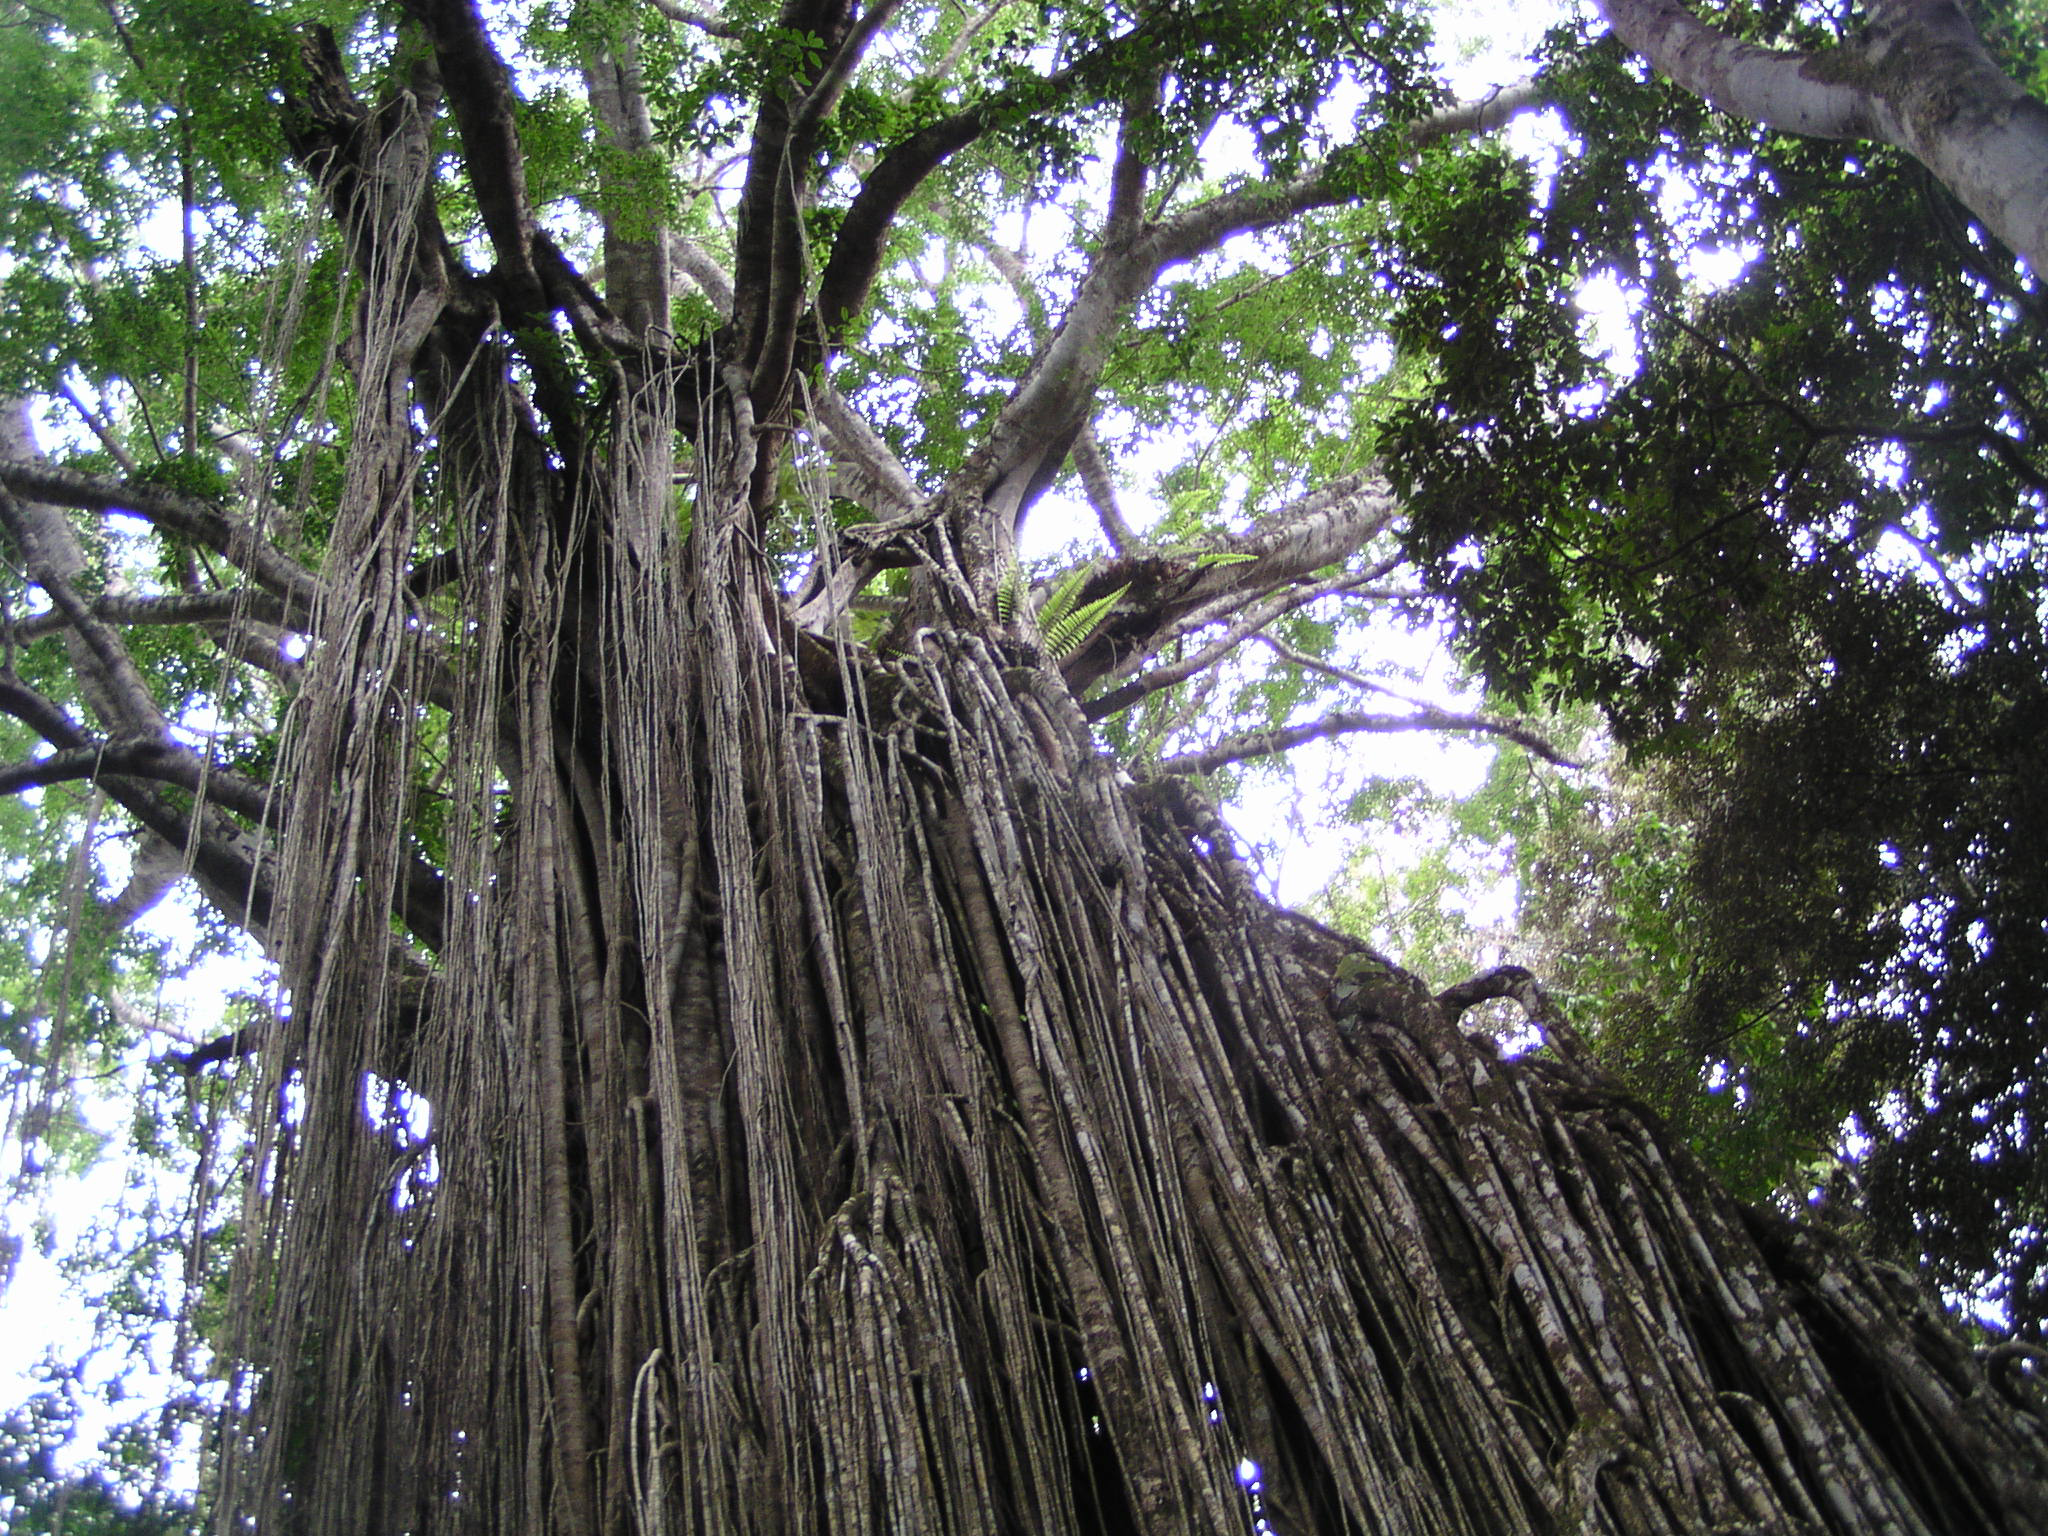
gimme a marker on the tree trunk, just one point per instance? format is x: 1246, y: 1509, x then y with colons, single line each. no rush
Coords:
x: 857, y: 1107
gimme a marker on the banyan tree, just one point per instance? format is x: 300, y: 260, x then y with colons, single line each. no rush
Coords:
x: 774, y: 1034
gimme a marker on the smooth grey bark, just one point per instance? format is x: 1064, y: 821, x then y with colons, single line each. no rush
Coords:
x: 1918, y: 78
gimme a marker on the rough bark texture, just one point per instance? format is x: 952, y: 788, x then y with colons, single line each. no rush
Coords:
x: 855, y: 1108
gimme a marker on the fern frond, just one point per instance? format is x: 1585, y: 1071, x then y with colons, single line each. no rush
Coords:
x: 1072, y: 630
x: 1009, y: 592
x: 1060, y: 601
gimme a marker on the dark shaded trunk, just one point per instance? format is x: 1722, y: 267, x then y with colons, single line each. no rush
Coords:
x: 856, y: 1106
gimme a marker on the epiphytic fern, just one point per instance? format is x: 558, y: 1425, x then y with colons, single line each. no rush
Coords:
x: 1009, y: 593
x: 1065, y: 621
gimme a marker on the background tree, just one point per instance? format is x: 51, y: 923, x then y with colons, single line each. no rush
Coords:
x: 539, y: 545
x: 38, y: 1496
x: 1794, y: 559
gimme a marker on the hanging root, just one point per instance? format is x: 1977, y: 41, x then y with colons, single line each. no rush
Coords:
x: 857, y: 1109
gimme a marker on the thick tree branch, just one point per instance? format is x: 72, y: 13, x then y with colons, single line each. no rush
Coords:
x: 1031, y: 436
x: 869, y: 469
x: 710, y: 26
x: 865, y: 469
x: 1037, y: 428
x: 40, y: 714
x: 636, y: 256
x: 141, y: 748
x: 1097, y: 481
x: 863, y: 234
x: 1177, y: 592
x: 858, y: 249
x: 347, y: 149
x: 479, y: 90
x: 824, y: 95
x: 1099, y: 485
x: 154, y: 869
x: 107, y: 675
x: 532, y: 276
x: 1485, y: 114
x: 768, y: 240
x: 233, y: 540
x: 1237, y: 749
x: 143, y: 758
x: 329, y: 131
x: 222, y: 1048
x: 1252, y: 620
x: 227, y: 871
x: 858, y: 555
x: 260, y: 647
x: 1919, y: 79
x: 1502, y: 981
x: 698, y: 265
x: 237, y: 606
x: 1261, y: 205
x: 1129, y: 171
x: 1771, y: 86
